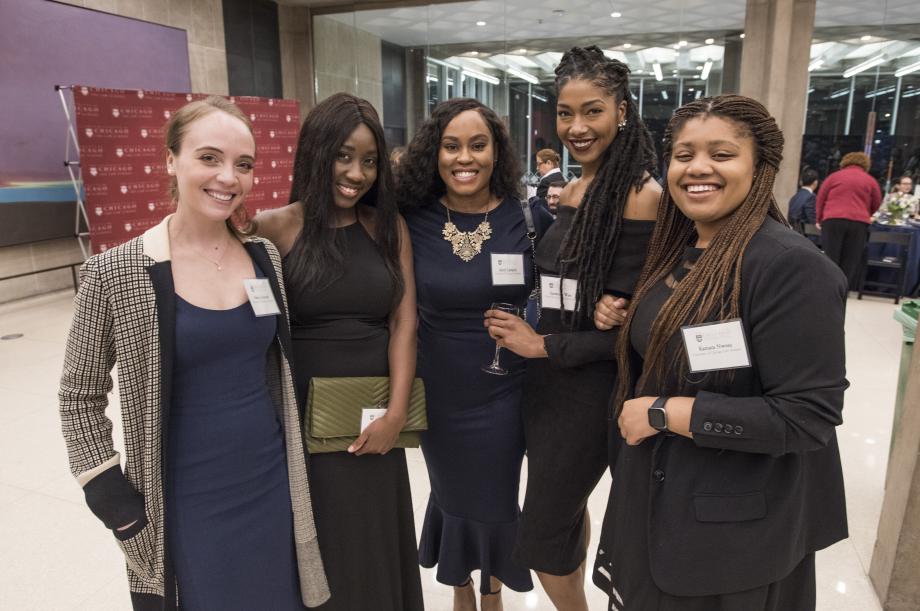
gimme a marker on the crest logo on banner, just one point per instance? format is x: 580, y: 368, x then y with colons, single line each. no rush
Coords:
x: 127, y: 181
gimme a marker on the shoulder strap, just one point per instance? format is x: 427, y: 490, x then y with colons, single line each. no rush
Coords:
x: 528, y: 218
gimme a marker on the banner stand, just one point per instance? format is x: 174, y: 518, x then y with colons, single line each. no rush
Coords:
x: 76, y: 178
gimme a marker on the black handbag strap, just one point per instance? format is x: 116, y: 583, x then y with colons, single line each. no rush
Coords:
x: 532, y: 236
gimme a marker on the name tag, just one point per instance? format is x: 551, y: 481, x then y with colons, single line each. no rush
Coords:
x: 261, y: 297
x: 715, y: 346
x: 507, y: 269
x: 555, y: 295
x: 369, y: 414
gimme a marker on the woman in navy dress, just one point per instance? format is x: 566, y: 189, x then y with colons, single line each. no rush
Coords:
x: 348, y: 269
x: 457, y: 189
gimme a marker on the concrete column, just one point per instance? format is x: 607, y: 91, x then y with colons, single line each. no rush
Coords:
x: 896, y: 558
x: 774, y: 71
x: 296, y: 40
x: 731, y: 66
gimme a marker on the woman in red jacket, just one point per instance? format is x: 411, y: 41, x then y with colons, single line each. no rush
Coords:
x: 846, y: 202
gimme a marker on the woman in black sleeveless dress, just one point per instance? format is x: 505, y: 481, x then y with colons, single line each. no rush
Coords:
x: 597, y: 244
x: 348, y: 269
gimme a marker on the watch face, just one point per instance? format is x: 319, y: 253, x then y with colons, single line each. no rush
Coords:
x: 657, y: 419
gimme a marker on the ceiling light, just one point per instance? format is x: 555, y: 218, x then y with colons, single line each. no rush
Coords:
x: 637, y: 72
x: 682, y: 43
x: 664, y: 95
x: 481, y: 76
x: 869, y: 63
x: 480, y: 23
x: 523, y: 75
x: 709, y: 41
x: 616, y: 15
x: 698, y: 94
x: 521, y: 51
x: 627, y: 45
x: 865, y: 38
x: 815, y: 64
x: 907, y: 70
x: 691, y: 89
x: 656, y: 67
x: 699, y: 67
x: 706, y: 68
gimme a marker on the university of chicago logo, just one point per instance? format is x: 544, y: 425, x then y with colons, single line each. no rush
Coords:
x: 271, y: 134
x: 271, y: 102
x: 103, y: 248
x: 140, y: 94
x: 287, y: 118
x: 188, y: 97
x: 115, y: 112
x: 123, y: 189
x: 128, y: 227
x: 84, y: 90
x: 98, y: 210
x: 93, y: 171
x: 290, y: 149
x: 232, y: 100
x: 252, y: 116
x: 699, y: 338
x: 147, y: 169
x: 89, y: 132
x: 119, y: 152
x: 255, y: 180
x: 151, y: 206
x: 290, y: 178
x: 274, y: 195
x: 274, y: 164
x: 166, y: 114
x: 144, y: 133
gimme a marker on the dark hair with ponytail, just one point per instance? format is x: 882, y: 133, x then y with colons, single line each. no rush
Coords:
x: 626, y: 165
x: 712, y: 288
x: 317, y: 257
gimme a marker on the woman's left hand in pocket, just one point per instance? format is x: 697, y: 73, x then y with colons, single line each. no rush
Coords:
x: 513, y: 333
x: 379, y: 437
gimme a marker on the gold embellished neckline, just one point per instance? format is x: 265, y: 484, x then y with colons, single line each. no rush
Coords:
x: 466, y: 244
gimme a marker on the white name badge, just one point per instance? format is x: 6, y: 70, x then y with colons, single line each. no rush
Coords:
x: 555, y: 294
x: 261, y: 297
x: 507, y: 269
x: 715, y: 346
x: 369, y: 414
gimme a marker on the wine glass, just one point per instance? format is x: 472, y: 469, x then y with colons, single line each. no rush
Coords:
x: 494, y: 367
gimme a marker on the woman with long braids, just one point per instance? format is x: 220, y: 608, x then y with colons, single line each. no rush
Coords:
x: 599, y: 241
x: 458, y: 188
x: 726, y: 472
x: 348, y: 272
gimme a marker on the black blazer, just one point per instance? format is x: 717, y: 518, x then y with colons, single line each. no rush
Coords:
x: 802, y: 208
x: 552, y: 176
x: 760, y: 484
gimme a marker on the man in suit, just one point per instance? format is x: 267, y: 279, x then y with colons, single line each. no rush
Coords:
x: 548, y: 168
x: 802, y: 204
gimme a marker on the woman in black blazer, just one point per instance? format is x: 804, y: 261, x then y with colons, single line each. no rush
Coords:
x: 726, y: 472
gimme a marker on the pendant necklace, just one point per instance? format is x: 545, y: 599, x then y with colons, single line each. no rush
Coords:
x: 220, y: 259
x: 466, y: 244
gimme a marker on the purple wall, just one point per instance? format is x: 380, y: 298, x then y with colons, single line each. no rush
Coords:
x: 43, y: 44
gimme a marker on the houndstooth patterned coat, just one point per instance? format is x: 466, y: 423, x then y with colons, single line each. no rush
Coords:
x: 125, y: 314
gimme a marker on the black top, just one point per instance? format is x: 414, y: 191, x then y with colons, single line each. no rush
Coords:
x: 762, y: 471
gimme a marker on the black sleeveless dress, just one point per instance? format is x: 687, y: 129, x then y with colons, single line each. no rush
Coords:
x: 565, y: 408
x: 362, y: 505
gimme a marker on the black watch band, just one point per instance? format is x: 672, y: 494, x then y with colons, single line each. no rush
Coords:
x: 657, y: 415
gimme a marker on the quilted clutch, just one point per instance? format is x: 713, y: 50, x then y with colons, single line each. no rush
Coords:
x: 334, y: 407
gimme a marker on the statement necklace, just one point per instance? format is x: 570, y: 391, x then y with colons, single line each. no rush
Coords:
x: 466, y: 244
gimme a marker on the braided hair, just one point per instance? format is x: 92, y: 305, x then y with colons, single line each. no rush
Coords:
x: 712, y: 289
x: 591, y: 241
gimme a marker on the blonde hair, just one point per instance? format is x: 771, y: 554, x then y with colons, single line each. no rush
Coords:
x: 179, y: 122
x: 548, y: 155
x: 856, y: 158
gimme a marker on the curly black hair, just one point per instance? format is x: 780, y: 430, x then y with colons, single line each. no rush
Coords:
x: 589, y: 246
x: 317, y: 257
x: 419, y: 183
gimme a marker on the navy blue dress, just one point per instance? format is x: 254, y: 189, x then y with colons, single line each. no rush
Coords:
x: 474, y: 445
x: 229, y: 523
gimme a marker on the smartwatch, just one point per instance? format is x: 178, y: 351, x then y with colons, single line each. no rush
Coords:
x: 657, y: 415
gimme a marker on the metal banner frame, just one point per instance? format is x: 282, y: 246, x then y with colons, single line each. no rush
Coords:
x: 76, y: 177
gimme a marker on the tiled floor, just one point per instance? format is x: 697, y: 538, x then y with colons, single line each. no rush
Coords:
x: 57, y: 556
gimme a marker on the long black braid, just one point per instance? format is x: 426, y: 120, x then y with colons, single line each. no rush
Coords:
x: 591, y: 241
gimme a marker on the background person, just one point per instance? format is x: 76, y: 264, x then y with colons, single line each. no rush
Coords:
x: 458, y: 189
x: 548, y: 168
x: 599, y: 241
x: 845, y: 204
x: 348, y: 271
x: 802, y: 204
x: 553, y: 195
x: 210, y: 415
x: 902, y: 193
x: 722, y: 458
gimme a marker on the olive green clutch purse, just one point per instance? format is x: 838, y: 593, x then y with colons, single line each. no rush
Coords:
x: 334, y: 407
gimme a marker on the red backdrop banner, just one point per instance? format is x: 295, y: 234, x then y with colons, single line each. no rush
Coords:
x: 123, y: 156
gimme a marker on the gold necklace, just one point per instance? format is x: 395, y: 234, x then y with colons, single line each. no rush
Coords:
x: 220, y: 259
x: 466, y: 244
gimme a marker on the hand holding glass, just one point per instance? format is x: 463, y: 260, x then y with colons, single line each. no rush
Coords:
x: 494, y: 367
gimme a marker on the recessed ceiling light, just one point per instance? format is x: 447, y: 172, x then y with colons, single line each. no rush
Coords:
x: 682, y: 43
x: 473, y: 53
x: 480, y: 23
x: 741, y: 37
x: 865, y: 38
x: 627, y: 45
x: 637, y: 72
x: 699, y: 67
x: 521, y: 51
x: 616, y: 15
x: 709, y: 41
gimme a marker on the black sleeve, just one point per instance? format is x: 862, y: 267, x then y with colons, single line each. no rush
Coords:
x: 808, y: 210
x: 796, y: 340
x: 115, y: 501
x: 632, y: 247
x: 577, y: 348
x: 542, y: 188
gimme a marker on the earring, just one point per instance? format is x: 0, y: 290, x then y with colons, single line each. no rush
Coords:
x: 622, y: 124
